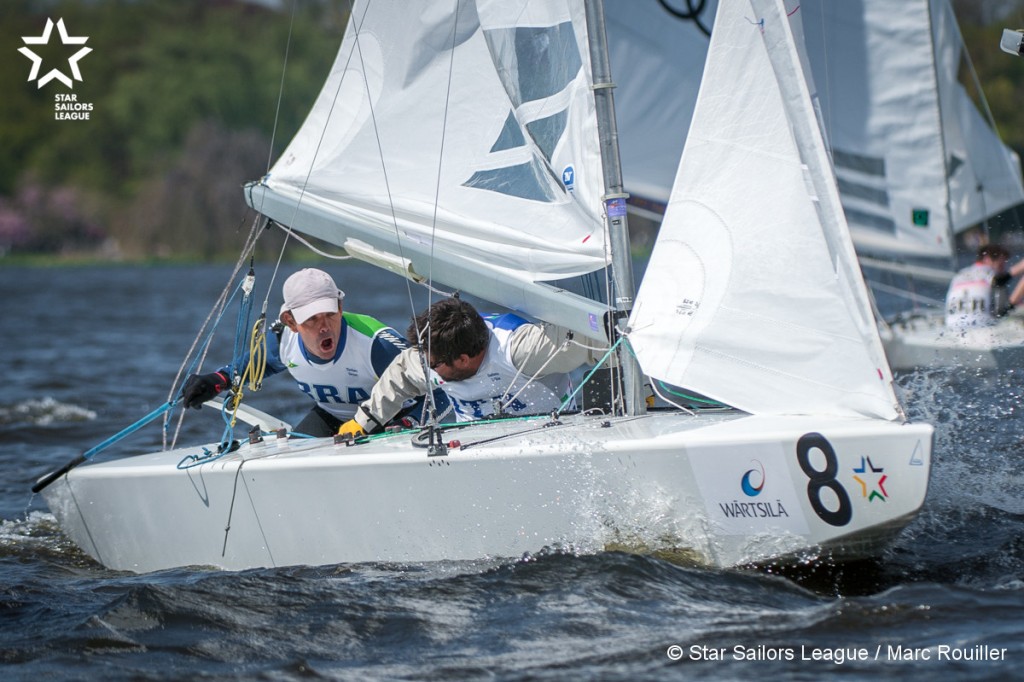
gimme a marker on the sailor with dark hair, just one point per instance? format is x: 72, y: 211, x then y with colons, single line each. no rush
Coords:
x: 484, y: 364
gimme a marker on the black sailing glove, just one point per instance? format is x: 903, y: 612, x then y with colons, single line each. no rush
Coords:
x: 201, y: 387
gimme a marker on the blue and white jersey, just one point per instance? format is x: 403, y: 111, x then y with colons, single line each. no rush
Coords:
x: 969, y: 301
x: 497, y: 380
x: 365, y: 348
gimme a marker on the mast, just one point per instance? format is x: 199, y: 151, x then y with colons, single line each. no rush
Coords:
x: 614, y: 200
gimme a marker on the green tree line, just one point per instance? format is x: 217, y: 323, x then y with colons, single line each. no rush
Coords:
x: 184, y: 103
x: 1001, y: 76
x: 192, y: 98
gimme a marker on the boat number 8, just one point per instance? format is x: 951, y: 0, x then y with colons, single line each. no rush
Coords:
x: 824, y: 478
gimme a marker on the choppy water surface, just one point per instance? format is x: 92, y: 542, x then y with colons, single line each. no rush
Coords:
x: 90, y: 350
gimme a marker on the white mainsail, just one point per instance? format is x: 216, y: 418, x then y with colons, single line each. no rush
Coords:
x: 752, y: 295
x: 457, y: 142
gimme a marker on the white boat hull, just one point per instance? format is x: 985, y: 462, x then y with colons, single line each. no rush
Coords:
x: 923, y: 341
x: 727, y: 488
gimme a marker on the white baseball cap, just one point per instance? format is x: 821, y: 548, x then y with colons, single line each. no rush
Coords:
x: 310, y: 292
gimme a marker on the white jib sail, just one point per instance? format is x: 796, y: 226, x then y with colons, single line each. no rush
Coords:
x: 752, y: 295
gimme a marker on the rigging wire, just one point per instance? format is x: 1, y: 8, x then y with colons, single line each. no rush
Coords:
x: 697, y: 399
x: 356, y: 26
x: 337, y: 256
x: 568, y: 400
x: 391, y: 201
x: 280, y: 98
x: 201, y: 343
x: 292, y: 234
x: 248, y: 250
x: 256, y: 367
x: 280, y: 90
x: 289, y: 232
x: 904, y: 293
x: 966, y: 56
x: 519, y: 372
x: 425, y: 358
x: 376, y: 130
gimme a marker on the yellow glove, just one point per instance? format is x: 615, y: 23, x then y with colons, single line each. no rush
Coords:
x: 351, y: 428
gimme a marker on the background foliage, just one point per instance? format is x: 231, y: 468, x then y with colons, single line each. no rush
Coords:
x: 185, y: 96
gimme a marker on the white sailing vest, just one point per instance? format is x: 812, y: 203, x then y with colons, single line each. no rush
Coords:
x: 340, y: 384
x: 969, y: 300
x: 497, y: 381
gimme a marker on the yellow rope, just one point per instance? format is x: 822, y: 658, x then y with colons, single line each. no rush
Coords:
x: 257, y: 367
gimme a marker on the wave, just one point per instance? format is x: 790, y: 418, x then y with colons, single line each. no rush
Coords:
x: 44, y: 411
x: 37, y: 538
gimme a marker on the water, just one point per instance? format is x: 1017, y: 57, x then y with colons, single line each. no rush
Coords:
x: 89, y: 351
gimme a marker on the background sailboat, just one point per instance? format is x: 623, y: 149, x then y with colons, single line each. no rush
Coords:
x: 916, y: 161
x: 819, y: 460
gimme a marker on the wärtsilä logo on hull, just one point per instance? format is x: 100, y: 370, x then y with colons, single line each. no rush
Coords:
x: 752, y: 482
x: 753, y: 510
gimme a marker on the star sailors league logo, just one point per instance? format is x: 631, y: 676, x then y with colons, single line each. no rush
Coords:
x: 37, y: 61
x: 66, y: 106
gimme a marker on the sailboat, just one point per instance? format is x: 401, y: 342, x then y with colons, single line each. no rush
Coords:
x: 916, y: 162
x: 468, y: 146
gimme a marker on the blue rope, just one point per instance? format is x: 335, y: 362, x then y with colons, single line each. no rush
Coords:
x: 242, y: 325
x: 707, y: 401
x: 129, y: 430
x: 244, y: 313
x: 196, y: 460
x: 666, y: 387
x: 209, y: 337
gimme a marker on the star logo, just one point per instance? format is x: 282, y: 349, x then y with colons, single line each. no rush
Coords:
x: 869, y: 470
x: 37, y: 61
